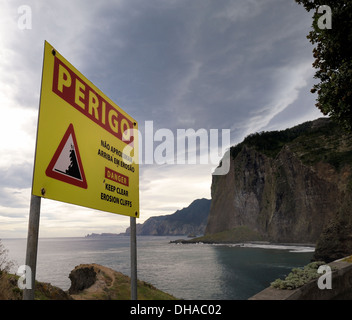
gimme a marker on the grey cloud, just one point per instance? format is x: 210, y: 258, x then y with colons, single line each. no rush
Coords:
x: 13, y: 180
x: 16, y: 176
x: 201, y: 63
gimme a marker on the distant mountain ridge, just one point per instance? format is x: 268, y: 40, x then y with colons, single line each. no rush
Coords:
x: 99, y: 235
x: 187, y: 221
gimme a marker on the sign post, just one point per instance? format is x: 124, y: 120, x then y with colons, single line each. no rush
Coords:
x: 32, y: 247
x: 133, y: 258
x: 86, y: 149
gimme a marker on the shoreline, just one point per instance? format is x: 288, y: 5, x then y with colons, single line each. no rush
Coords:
x: 243, y: 243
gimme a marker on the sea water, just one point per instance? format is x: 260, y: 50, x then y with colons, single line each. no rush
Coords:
x: 186, y: 271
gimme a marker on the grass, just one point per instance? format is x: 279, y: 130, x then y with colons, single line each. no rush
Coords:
x: 348, y: 259
x: 117, y: 286
x: 121, y: 290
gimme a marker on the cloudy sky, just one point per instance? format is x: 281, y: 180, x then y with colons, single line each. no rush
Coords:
x: 243, y: 65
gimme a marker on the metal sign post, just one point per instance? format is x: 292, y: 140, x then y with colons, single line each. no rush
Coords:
x: 133, y: 258
x: 32, y: 246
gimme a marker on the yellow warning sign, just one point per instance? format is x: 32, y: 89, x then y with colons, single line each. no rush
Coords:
x: 87, y: 146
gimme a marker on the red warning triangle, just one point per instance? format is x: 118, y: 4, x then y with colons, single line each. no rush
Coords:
x: 66, y: 164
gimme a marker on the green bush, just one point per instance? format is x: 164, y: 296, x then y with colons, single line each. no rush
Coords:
x: 299, y: 277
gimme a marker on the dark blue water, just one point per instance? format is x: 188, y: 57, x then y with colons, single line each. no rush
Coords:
x: 196, y: 271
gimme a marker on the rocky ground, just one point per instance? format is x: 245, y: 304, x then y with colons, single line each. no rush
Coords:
x: 88, y: 282
x: 96, y: 282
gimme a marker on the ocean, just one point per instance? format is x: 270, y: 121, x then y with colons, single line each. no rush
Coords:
x: 187, y: 271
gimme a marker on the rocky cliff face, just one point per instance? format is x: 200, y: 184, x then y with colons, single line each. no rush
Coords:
x: 285, y: 185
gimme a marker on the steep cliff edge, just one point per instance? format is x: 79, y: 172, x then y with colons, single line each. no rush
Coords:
x: 287, y: 186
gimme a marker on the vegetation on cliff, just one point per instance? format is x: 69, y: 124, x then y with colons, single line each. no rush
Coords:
x: 321, y: 140
x: 270, y: 142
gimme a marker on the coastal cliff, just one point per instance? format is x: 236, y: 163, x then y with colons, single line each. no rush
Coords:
x: 284, y: 186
